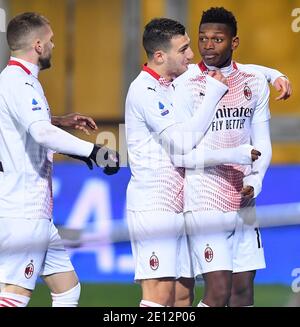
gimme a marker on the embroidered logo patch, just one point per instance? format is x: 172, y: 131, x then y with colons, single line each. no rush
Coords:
x: 247, y: 92
x: 208, y: 254
x: 35, y: 103
x: 161, y: 106
x: 154, y: 262
x: 29, y: 270
x: 165, y: 112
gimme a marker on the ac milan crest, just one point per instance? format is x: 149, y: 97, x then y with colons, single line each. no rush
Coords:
x: 247, y: 92
x: 154, y: 262
x: 208, y: 254
x: 29, y: 270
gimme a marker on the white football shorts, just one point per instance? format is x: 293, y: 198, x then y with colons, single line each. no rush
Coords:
x: 224, y: 241
x: 30, y: 248
x: 159, y: 244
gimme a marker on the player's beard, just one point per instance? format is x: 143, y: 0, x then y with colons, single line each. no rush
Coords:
x: 45, y: 62
x: 176, y: 68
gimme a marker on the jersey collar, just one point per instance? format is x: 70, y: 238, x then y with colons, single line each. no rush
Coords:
x: 226, y: 71
x: 154, y: 74
x: 29, y: 68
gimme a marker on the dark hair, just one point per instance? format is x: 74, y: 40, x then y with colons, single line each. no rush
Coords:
x: 158, y: 34
x: 220, y: 15
x: 21, y: 26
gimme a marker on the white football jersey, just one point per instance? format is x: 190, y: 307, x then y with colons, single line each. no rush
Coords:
x: 155, y: 183
x: 246, y: 102
x: 25, y: 183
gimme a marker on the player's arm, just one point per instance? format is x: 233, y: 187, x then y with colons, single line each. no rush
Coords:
x: 56, y: 139
x: 76, y: 121
x: 175, y: 136
x: 201, y: 157
x: 30, y: 110
x: 261, y: 140
x: 277, y: 79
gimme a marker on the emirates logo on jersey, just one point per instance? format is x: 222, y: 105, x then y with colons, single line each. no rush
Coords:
x: 247, y: 92
x: 29, y: 270
x: 154, y: 262
x: 208, y: 254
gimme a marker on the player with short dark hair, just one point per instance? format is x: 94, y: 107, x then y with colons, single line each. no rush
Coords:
x: 29, y: 242
x: 155, y: 190
x: 155, y: 38
x: 220, y: 15
x: 156, y: 136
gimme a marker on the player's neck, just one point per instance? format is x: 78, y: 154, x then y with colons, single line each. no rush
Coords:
x: 225, y: 64
x: 25, y: 56
x: 225, y: 70
x: 29, y: 64
x: 159, y: 69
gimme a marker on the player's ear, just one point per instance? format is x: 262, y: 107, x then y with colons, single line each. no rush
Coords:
x: 235, y: 43
x: 158, y: 57
x: 38, y: 46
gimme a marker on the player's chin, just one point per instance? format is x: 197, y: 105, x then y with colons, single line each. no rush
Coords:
x: 183, y: 69
x: 211, y: 62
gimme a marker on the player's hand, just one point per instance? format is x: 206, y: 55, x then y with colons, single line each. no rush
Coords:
x: 106, y: 158
x: 247, y: 192
x: 76, y: 121
x: 283, y: 85
x: 255, y: 154
x: 216, y: 74
x: 86, y: 160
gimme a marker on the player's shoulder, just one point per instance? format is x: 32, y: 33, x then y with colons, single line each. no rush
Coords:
x: 143, y: 86
x: 193, y: 72
x: 13, y: 73
x: 15, y: 78
x: 250, y: 71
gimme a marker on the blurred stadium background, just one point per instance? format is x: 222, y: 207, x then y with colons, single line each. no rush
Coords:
x: 97, y: 53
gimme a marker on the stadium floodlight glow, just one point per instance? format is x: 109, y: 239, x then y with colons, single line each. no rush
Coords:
x: 2, y: 20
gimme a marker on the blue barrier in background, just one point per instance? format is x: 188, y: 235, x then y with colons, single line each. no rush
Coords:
x: 281, y: 244
x: 94, y: 202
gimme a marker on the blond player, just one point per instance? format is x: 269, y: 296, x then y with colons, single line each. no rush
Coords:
x: 29, y: 242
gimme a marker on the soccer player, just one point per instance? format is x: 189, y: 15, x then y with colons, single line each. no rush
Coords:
x: 29, y: 242
x: 224, y: 238
x: 154, y: 134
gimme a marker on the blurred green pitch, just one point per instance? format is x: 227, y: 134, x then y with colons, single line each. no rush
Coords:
x: 128, y: 295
